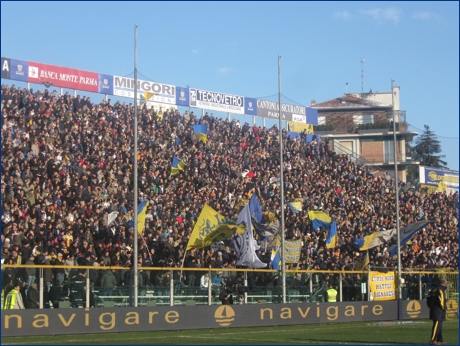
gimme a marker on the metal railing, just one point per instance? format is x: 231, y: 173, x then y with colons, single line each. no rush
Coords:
x: 249, y: 286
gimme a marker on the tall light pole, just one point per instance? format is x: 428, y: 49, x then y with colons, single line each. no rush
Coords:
x: 283, y: 268
x: 396, y: 190
x: 135, y: 170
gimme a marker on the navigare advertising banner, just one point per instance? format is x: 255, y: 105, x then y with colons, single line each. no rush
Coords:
x: 434, y: 176
x: 63, y: 77
x: 270, y: 109
x: 292, y: 251
x: 216, y: 101
x: 382, y: 285
x: 161, y: 93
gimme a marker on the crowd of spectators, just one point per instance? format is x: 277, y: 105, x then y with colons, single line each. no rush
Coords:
x: 68, y: 162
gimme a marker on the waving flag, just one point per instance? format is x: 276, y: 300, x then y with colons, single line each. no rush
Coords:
x: 141, y: 211
x: 374, y: 239
x: 362, y: 262
x: 201, y: 131
x: 265, y: 224
x: 212, y: 227
x: 295, y: 206
x: 111, y: 217
x: 177, y: 165
x: 244, y: 244
x: 405, y: 234
x: 332, y: 236
x: 275, y: 259
x: 319, y: 219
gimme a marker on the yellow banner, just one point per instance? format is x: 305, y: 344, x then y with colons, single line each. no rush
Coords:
x: 300, y: 127
x: 382, y: 285
x: 292, y: 251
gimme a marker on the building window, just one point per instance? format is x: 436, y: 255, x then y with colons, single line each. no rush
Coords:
x: 360, y: 119
x: 388, y: 152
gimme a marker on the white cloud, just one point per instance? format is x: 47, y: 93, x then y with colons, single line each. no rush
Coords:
x: 425, y: 15
x: 225, y: 70
x: 343, y: 14
x: 385, y: 14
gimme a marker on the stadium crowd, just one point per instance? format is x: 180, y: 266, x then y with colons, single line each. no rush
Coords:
x: 68, y: 162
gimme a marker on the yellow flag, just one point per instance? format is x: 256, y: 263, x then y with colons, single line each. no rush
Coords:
x: 211, y: 228
x: 141, y: 211
x: 148, y: 95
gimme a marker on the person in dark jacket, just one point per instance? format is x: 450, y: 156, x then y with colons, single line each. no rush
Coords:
x: 55, y: 293
x: 436, y: 300
x: 32, y: 297
x: 226, y: 296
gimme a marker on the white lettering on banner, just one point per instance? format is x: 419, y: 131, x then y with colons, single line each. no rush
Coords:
x: 270, y: 109
x: 220, y: 98
x: 128, y: 83
x: 88, y: 81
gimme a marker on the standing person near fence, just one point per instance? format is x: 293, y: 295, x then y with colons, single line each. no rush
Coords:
x: 14, y: 298
x: 436, y: 301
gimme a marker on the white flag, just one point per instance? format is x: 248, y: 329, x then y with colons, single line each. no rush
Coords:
x: 244, y: 244
x: 112, y: 216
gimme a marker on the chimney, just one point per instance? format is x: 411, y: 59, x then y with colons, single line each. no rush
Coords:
x: 313, y: 102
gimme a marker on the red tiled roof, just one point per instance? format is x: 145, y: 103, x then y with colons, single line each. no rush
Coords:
x: 350, y: 102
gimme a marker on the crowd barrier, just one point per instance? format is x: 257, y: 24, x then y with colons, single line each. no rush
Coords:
x: 249, y: 286
x: 168, y: 307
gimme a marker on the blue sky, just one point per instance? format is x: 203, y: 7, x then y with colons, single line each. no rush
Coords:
x: 233, y: 47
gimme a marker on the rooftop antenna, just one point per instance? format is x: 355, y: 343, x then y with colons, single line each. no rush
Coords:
x: 346, y: 88
x: 362, y: 75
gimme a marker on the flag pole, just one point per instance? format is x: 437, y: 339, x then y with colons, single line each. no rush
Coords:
x: 283, y: 269
x: 136, y: 250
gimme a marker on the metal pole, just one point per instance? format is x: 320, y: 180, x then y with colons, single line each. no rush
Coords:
x: 135, y: 170
x: 340, y: 287
x: 171, y: 287
x: 209, y: 287
x: 245, y: 285
x: 88, y: 287
x: 396, y: 191
x: 420, y: 292
x: 41, y: 289
x: 283, y: 269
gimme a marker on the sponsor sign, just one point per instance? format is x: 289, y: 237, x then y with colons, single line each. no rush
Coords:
x: 434, y: 176
x: 382, y: 286
x: 62, y: 77
x: 270, y: 109
x: 19, y: 70
x: 299, y: 127
x: 414, y: 309
x: 6, y: 68
x: 161, y: 93
x: 250, y: 106
x: 105, y: 85
x: 216, y: 101
x: 182, y: 96
x: 129, y: 319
